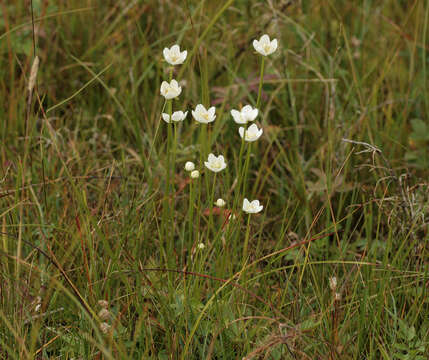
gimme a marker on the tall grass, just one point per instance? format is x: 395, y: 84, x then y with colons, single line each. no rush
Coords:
x: 110, y: 250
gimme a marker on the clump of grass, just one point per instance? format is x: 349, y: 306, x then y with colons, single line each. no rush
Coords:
x: 112, y: 248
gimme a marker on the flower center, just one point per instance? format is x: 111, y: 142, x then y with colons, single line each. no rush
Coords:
x: 250, y: 134
x: 206, y: 116
x: 267, y: 48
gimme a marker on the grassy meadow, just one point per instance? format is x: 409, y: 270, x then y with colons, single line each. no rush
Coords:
x: 110, y: 249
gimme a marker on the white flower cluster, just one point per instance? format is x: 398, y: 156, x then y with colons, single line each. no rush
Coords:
x: 203, y: 115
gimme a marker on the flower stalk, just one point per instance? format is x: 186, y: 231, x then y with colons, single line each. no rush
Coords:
x: 246, y: 239
x: 261, y: 80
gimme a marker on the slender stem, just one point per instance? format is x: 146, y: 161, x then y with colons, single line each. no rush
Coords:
x: 191, y: 210
x: 198, y: 209
x: 168, y: 221
x: 211, y: 227
x: 239, y: 178
x: 246, y: 168
x: 246, y: 239
x: 168, y: 218
x: 261, y: 80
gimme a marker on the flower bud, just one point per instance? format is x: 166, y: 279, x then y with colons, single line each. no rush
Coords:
x: 189, y: 166
x: 220, y: 202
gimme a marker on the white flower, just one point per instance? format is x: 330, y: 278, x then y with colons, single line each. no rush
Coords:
x: 220, y: 203
x: 201, y: 246
x: 173, y: 55
x: 202, y: 115
x: 251, y: 134
x: 195, y: 174
x: 170, y: 90
x: 189, y: 166
x: 333, y: 283
x: 252, y: 207
x: 105, y: 327
x: 103, y: 303
x: 214, y: 163
x: 246, y: 114
x: 176, y: 116
x: 104, y: 314
x: 264, y: 46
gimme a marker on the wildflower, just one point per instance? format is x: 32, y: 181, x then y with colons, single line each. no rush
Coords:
x: 252, y: 207
x: 103, y: 303
x: 251, y: 134
x: 189, y: 166
x: 220, y: 203
x: 264, y: 46
x: 173, y: 55
x: 104, y: 314
x: 104, y: 327
x: 201, y: 246
x: 246, y: 114
x: 195, y: 174
x: 202, y: 115
x: 333, y: 283
x: 176, y: 116
x: 214, y: 163
x: 170, y: 90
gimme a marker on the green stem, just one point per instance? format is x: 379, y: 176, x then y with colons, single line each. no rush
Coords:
x: 246, y: 168
x: 168, y: 234
x: 239, y: 178
x: 246, y: 239
x: 261, y: 80
x: 211, y: 227
x: 167, y: 204
x: 191, y: 210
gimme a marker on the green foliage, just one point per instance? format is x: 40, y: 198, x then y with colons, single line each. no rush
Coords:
x: 419, y: 138
x: 87, y: 213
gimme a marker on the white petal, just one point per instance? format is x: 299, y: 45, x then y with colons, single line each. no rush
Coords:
x: 265, y: 39
x: 175, y: 49
x: 166, y: 53
x: 252, y: 128
x: 234, y: 113
x: 177, y: 116
x: 256, y: 45
x: 253, y: 114
x: 200, y: 108
x: 211, y: 157
x: 166, y: 117
x: 212, y: 111
x: 246, y: 108
x: 241, y: 131
x: 274, y: 45
x: 246, y: 204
